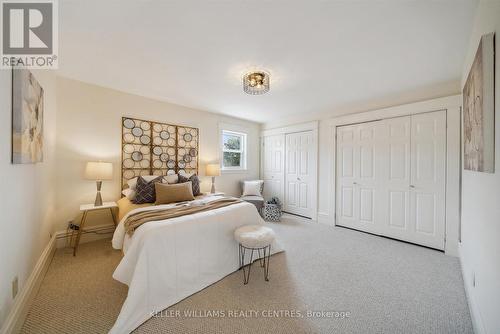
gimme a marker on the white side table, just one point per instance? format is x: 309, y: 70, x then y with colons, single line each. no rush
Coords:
x: 85, y: 209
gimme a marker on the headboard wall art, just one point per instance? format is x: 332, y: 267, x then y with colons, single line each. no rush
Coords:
x: 153, y: 148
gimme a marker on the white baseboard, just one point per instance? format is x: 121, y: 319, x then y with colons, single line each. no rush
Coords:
x: 93, y: 233
x: 325, y: 218
x: 22, y: 302
x: 477, y: 321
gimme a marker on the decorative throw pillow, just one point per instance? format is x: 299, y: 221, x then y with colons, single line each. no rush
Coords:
x: 132, y: 183
x: 195, y: 182
x: 145, y: 191
x: 171, y: 193
x: 252, y: 188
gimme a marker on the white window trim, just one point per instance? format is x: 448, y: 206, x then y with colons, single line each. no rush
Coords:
x: 243, y: 151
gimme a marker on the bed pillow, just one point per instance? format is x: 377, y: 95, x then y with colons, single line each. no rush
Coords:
x: 195, y: 181
x: 171, y: 179
x: 129, y: 193
x: 145, y: 191
x: 252, y: 188
x: 172, y: 193
x: 188, y: 175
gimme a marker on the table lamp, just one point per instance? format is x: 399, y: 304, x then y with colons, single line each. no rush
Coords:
x: 98, y: 171
x: 212, y: 170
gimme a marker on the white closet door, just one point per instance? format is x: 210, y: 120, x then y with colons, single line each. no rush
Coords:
x: 274, y: 163
x: 428, y: 178
x: 346, y: 178
x: 396, y: 183
x: 391, y: 176
x: 358, y: 176
x: 299, y: 173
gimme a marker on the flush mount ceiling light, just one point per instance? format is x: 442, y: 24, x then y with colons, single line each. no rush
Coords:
x: 256, y: 83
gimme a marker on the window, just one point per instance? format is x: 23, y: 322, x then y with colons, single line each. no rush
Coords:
x: 234, y: 146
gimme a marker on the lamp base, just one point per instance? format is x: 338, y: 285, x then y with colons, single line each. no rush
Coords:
x: 212, y: 191
x: 98, y: 198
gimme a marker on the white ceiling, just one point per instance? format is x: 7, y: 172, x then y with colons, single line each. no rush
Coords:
x: 323, y: 56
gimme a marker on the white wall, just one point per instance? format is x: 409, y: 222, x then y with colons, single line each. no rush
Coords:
x: 480, y: 247
x: 89, y: 128
x: 27, y: 197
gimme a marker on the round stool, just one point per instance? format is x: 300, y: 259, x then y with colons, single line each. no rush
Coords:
x: 254, y: 238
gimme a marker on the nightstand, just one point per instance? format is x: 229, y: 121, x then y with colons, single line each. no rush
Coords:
x: 85, y: 209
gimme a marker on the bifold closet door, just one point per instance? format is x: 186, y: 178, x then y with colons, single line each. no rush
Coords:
x: 391, y: 176
x: 428, y: 179
x: 274, y: 164
x: 396, y: 156
x: 300, y: 162
x: 359, y: 172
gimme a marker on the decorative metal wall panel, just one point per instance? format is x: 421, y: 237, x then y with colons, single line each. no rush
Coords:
x: 152, y: 148
x: 187, y: 149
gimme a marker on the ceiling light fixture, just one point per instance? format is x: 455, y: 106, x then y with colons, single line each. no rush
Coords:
x: 256, y: 83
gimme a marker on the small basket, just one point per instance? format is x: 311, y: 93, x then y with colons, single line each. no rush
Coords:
x: 272, y: 212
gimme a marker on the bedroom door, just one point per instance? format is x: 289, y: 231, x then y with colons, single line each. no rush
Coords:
x: 300, y: 171
x: 273, y: 166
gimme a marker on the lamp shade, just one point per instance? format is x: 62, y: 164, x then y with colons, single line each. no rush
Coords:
x: 99, y: 171
x: 212, y: 170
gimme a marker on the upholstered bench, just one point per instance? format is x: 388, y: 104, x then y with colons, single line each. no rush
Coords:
x: 254, y: 238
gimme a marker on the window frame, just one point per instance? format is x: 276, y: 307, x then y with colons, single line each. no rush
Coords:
x: 242, y: 151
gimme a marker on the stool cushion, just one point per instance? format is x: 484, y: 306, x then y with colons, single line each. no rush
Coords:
x: 254, y: 236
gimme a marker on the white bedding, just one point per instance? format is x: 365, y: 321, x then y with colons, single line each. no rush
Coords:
x: 169, y: 260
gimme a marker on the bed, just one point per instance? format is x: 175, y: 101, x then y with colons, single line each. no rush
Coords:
x: 166, y: 261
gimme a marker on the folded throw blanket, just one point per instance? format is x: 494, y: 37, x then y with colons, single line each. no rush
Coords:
x: 182, y: 209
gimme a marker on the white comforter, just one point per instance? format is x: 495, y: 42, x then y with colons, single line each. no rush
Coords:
x: 169, y: 260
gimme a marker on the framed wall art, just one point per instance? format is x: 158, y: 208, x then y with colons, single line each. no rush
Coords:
x: 27, y: 118
x: 479, y: 109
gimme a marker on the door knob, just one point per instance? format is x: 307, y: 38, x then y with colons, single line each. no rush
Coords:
x: 412, y: 186
x: 298, y: 179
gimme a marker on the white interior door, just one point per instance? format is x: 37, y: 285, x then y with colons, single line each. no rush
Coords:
x: 428, y: 178
x: 300, y: 165
x: 346, y: 177
x: 396, y: 156
x: 358, y: 176
x: 273, y: 166
x: 391, y: 176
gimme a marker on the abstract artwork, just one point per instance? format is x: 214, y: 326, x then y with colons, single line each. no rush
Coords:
x: 27, y: 118
x: 479, y: 109
x: 153, y: 148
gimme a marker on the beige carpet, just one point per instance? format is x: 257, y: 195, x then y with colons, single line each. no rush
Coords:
x: 386, y: 285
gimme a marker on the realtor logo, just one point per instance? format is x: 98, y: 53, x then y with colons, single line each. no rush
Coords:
x: 29, y: 34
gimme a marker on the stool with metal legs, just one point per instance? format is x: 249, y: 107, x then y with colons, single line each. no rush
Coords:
x: 254, y: 238
x: 263, y: 260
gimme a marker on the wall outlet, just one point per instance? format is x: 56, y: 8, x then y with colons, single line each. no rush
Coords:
x: 15, y: 287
